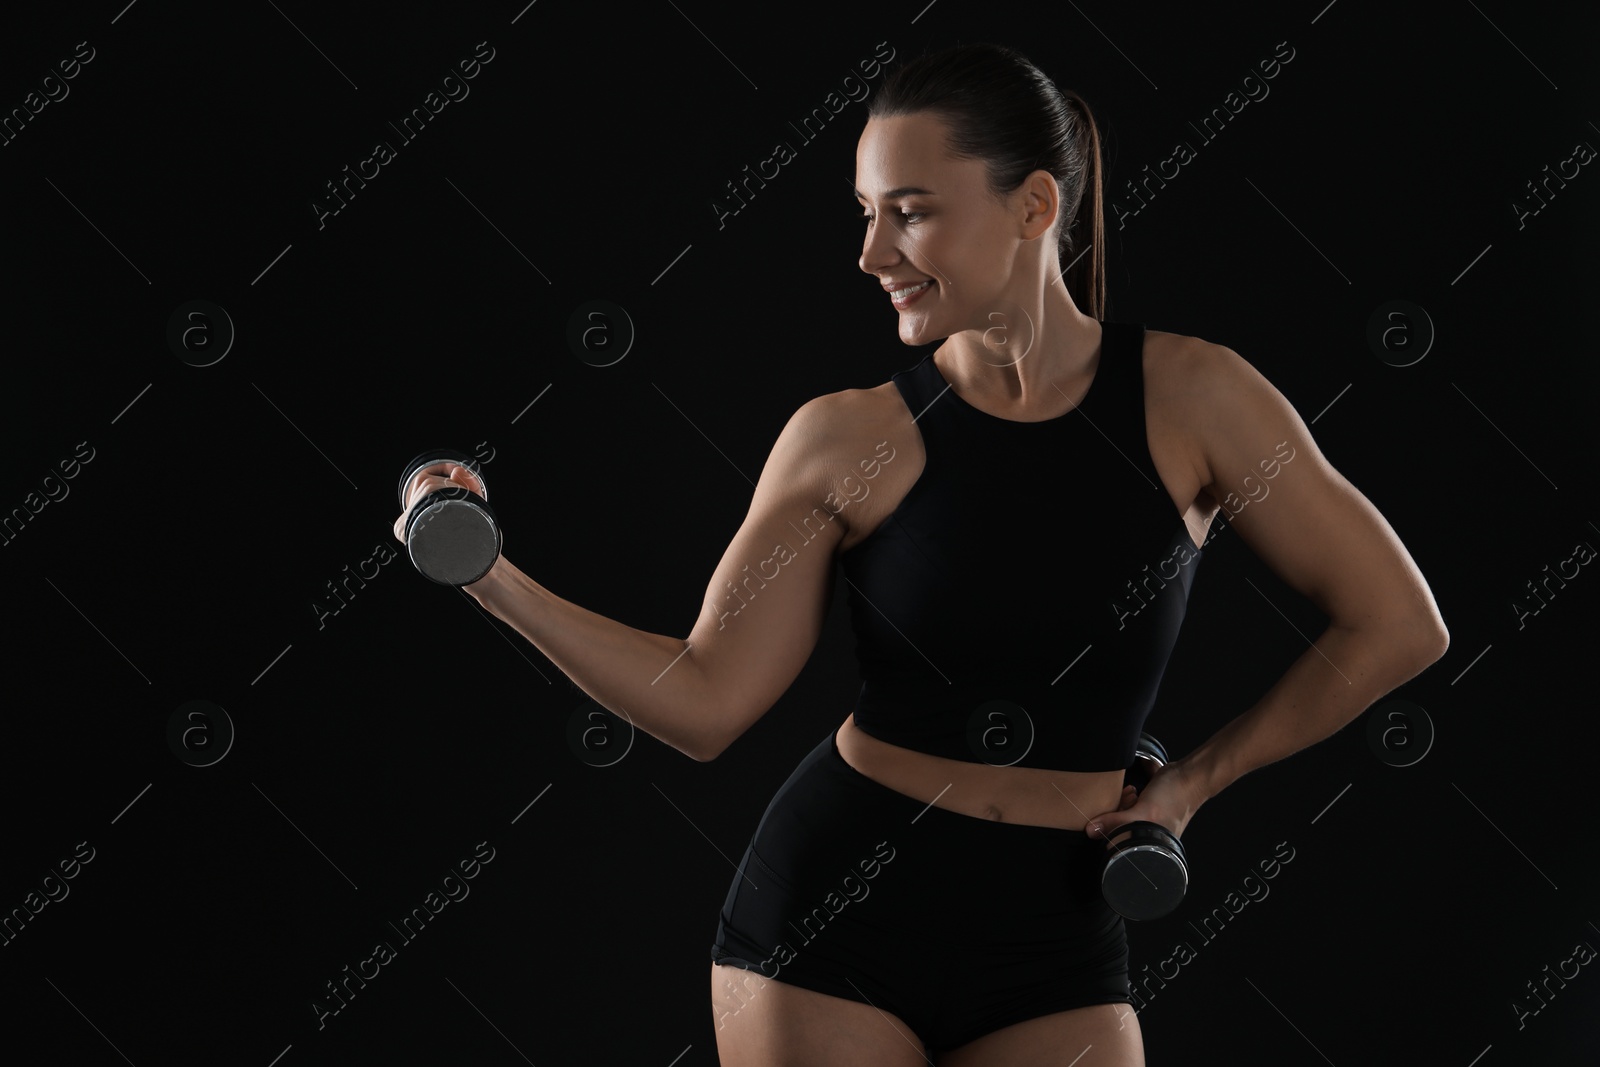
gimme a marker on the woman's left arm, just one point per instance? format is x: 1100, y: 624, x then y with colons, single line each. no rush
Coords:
x: 1322, y: 537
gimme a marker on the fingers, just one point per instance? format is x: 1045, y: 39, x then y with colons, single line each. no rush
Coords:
x: 462, y: 476
x: 1130, y: 797
x: 419, y: 483
x: 442, y: 475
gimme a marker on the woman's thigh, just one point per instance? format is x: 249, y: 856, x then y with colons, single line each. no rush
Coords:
x: 1099, y: 1035
x: 766, y: 1023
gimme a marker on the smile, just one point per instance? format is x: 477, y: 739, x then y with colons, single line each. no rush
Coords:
x: 906, y: 297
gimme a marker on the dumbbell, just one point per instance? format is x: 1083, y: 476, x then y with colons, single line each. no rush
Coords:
x: 1146, y: 874
x: 451, y: 534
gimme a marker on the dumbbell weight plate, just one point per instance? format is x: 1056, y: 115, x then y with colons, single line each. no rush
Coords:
x: 1146, y: 874
x: 453, y: 541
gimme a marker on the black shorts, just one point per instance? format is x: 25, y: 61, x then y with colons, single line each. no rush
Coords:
x: 956, y: 924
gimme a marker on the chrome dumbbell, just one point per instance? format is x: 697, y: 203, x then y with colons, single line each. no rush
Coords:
x: 451, y: 534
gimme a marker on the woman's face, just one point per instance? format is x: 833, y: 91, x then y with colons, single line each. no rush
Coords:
x: 931, y: 218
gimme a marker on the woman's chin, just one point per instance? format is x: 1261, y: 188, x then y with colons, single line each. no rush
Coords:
x: 913, y: 330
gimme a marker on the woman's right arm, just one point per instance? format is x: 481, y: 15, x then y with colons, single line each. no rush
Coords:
x: 763, y: 609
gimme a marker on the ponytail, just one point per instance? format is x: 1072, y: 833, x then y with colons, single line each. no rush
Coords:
x: 1083, y: 244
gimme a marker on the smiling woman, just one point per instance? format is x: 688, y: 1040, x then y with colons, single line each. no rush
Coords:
x: 977, y: 178
x: 979, y: 568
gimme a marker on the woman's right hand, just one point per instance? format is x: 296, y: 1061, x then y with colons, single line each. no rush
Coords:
x: 442, y: 475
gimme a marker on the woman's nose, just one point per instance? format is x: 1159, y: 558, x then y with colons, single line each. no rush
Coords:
x: 878, y: 248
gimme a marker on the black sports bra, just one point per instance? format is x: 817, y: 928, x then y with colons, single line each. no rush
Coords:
x: 1019, y: 606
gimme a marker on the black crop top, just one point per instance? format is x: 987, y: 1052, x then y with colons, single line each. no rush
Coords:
x: 1019, y: 606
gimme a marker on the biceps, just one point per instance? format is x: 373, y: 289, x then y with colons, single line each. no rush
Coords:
x: 764, y: 606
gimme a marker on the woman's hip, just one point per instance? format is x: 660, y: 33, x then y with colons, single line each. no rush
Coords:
x: 832, y: 833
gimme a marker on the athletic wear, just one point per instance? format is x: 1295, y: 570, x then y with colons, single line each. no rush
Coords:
x: 1018, y: 608
x: 1031, y: 582
x: 957, y: 925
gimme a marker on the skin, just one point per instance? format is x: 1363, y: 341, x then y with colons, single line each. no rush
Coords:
x: 1212, y: 420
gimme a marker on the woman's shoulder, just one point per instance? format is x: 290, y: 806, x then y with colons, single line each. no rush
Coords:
x: 1183, y: 366
x: 1188, y: 383
x: 834, y: 431
x: 849, y: 414
x: 1204, y: 393
x: 1180, y: 349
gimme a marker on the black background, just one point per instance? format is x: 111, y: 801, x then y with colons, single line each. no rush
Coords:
x: 379, y: 749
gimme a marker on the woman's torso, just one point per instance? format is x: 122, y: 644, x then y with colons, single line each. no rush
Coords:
x: 1029, y: 795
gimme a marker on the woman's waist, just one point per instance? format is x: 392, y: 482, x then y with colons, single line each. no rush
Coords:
x: 1000, y: 721
x: 1032, y: 796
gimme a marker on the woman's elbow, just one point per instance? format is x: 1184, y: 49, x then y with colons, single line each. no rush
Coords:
x: 710, y: 742
x: 724, y: 729
x: 1430, y: 638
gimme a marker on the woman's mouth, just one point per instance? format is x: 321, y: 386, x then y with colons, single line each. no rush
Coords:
x: 904, y: 298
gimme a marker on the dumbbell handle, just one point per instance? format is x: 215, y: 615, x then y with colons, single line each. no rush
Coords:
x: 1142, y: 769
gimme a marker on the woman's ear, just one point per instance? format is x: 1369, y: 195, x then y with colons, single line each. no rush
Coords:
x: 1040, y: 202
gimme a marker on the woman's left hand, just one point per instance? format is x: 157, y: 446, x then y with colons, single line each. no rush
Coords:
x: 1170, y: 799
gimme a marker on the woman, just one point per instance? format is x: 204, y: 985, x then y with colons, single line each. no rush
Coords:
x: 1019, y: 517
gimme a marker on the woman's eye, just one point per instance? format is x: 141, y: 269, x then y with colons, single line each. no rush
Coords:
x: 909, y: 216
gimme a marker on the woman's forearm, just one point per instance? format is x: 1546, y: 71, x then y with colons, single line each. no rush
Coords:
x: 646, y: 678
x: 1342, y: 675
